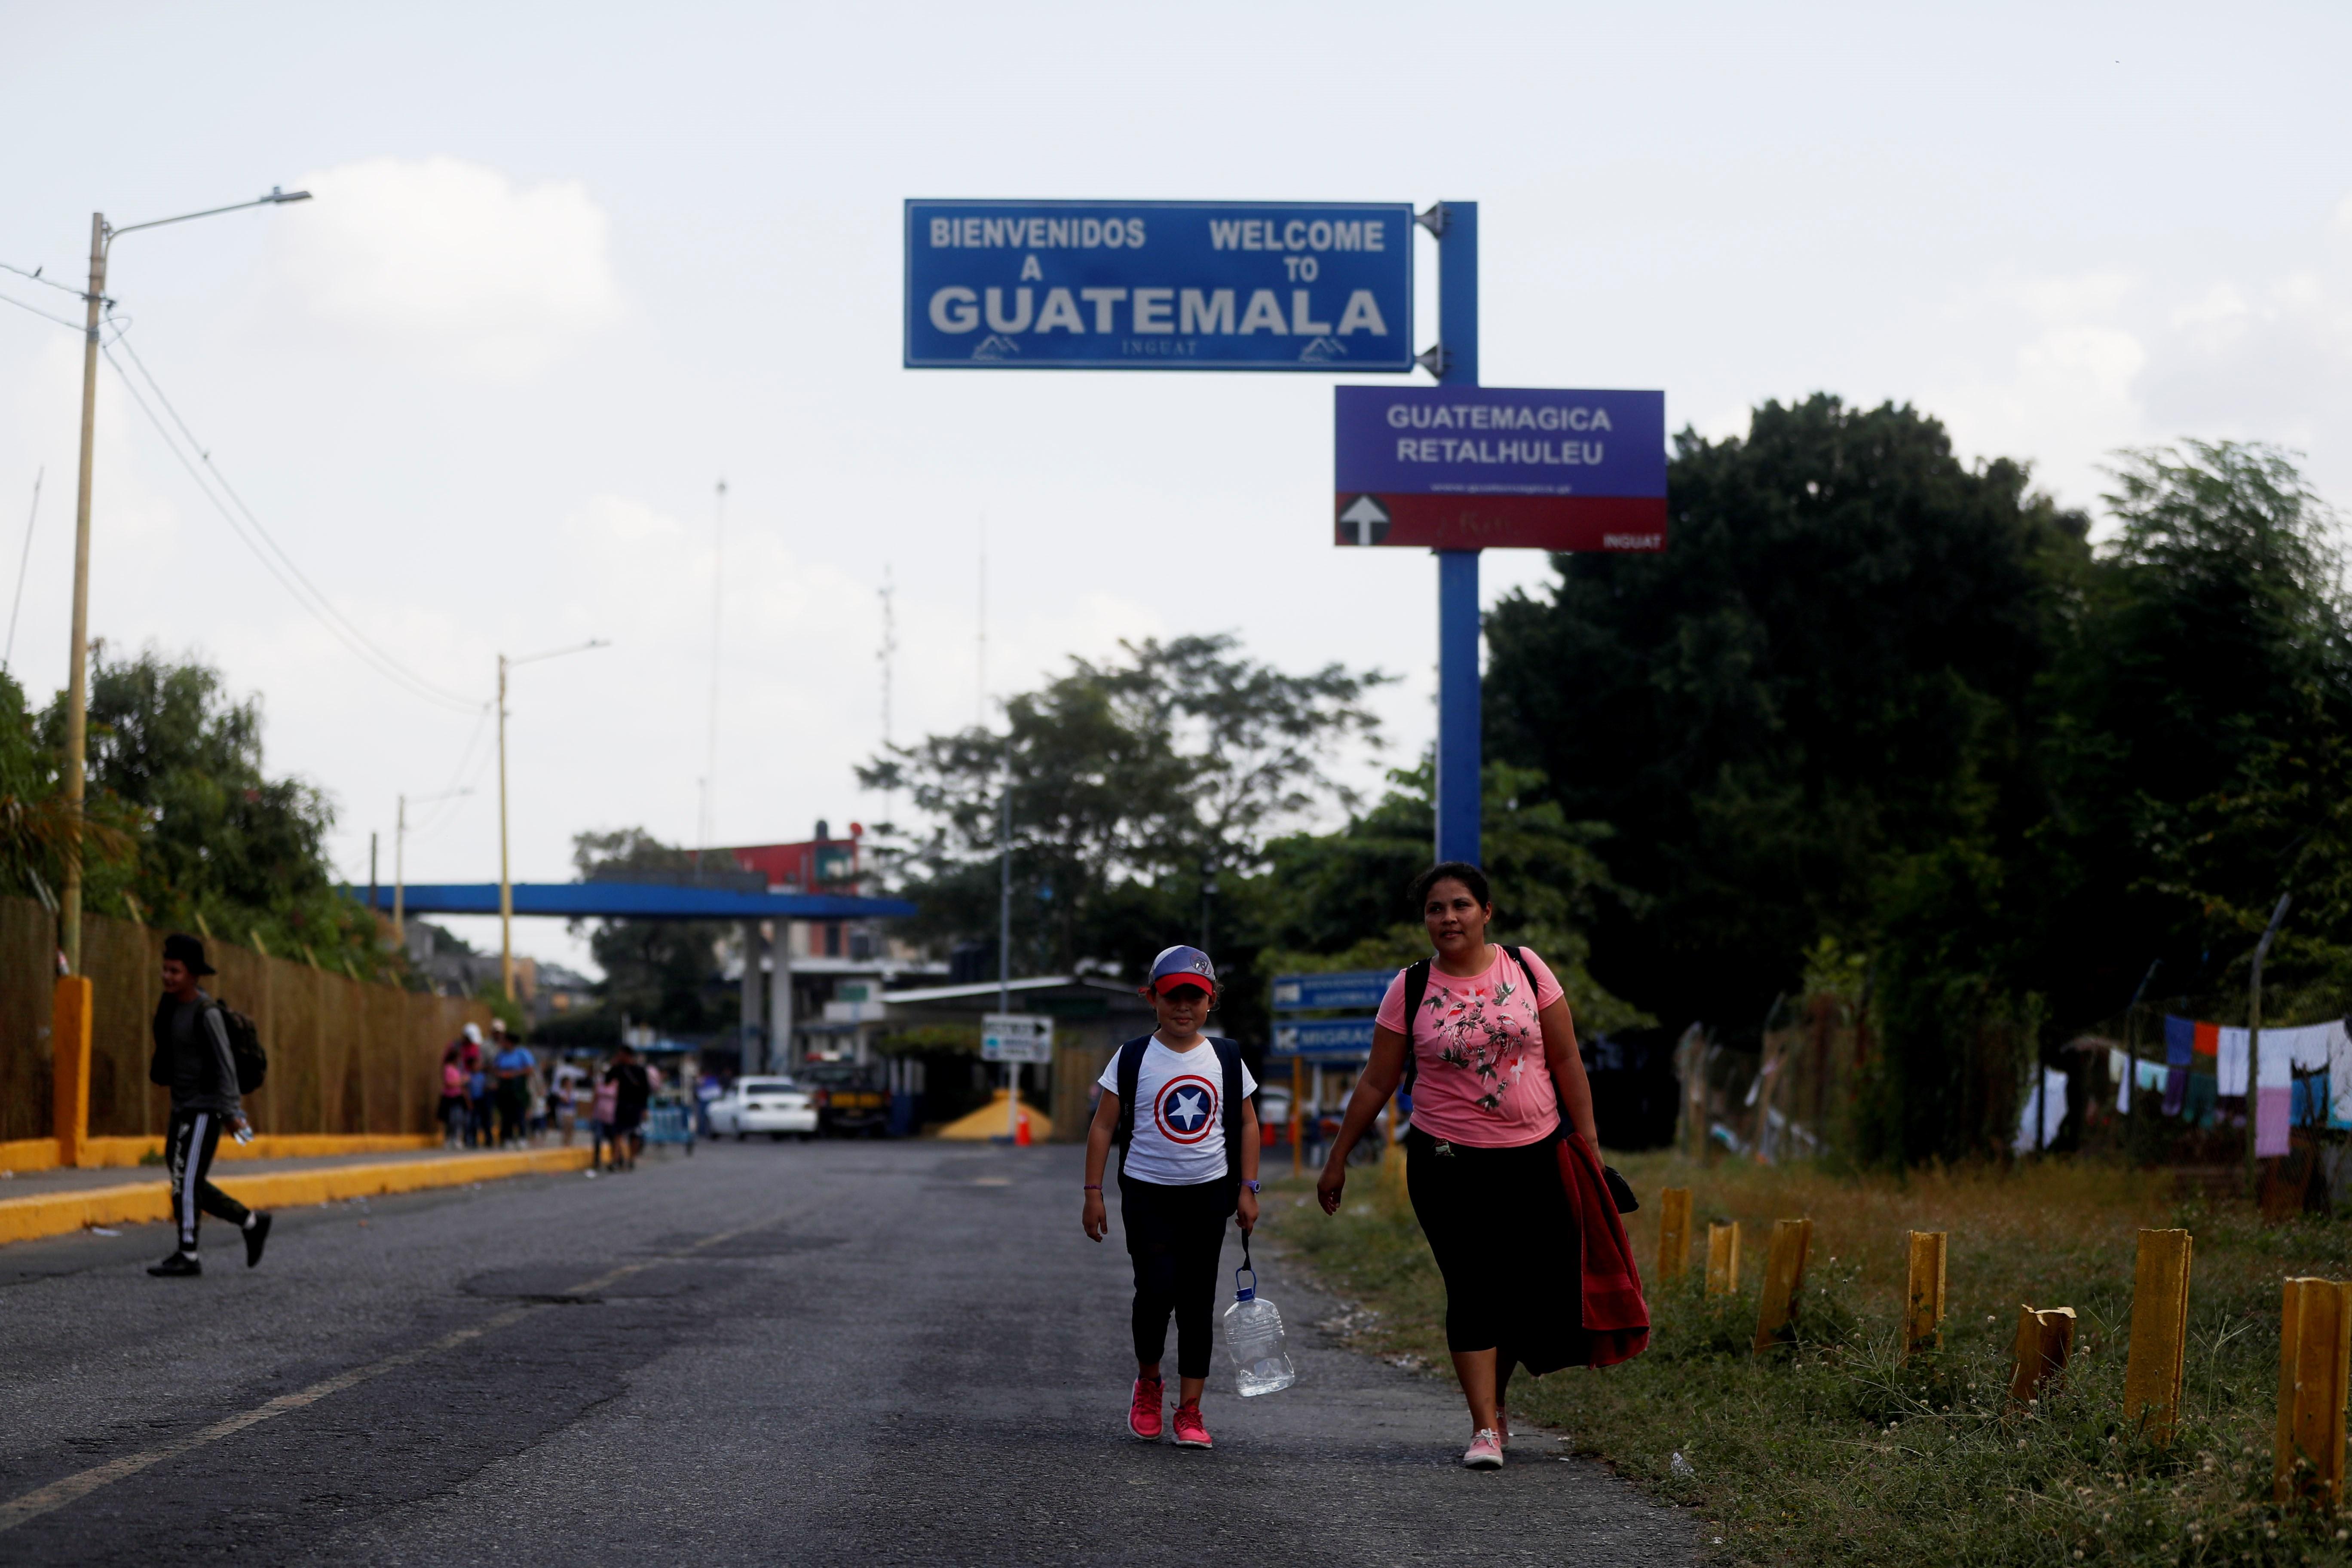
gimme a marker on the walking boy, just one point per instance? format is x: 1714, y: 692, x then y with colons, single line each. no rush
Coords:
x: 192, y: 1057
x: 1177, y: 1104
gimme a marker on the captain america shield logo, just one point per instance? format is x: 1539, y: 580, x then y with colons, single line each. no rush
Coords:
x: 1186, y: 1109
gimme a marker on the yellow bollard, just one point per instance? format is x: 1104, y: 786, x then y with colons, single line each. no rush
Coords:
x: 69, y: 1007
x: 1723, y: 1260
x: 1674, y: 1233
x: 2314, y: 1344
x: 2045, y: 1340
x: 2159, y: 1334
x: 1784, y: 1278
x: 1922, y: 1316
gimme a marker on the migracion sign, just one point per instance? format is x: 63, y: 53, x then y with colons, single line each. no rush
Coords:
x: 1469, y: 468
x: 1298, y: 286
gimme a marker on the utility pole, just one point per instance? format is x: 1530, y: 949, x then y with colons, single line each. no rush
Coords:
x: 372, y: 872
x: 101, y: 240
x: 506, y: 880
x: 399, y: 876
x: 1005, y: 943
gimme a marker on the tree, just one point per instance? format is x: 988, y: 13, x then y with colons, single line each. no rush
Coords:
x: 662, y: 973
x: 176, y: 765
x: 1130, y: 781
x: 1825, y: 676
x: 2199, y: 736
x: 1336, y: 901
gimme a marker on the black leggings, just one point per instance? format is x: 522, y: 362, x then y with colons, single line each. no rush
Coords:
x: 1497, y: 1221
x: 188, y: 1151
x: 1174, y: 1235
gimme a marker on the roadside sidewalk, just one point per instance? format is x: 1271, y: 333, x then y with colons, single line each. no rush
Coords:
x: 53, y: 1202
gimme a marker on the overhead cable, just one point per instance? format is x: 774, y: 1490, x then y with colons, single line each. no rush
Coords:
x: 257, y: 538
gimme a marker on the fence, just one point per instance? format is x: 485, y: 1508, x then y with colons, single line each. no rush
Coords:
x: 345, y: 1057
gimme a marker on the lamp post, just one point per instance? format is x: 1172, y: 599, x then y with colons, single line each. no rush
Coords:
x: 505, y: 883
x: 101, y: 240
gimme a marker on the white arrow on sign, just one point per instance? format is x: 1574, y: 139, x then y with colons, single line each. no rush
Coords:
x: 1367, y: 519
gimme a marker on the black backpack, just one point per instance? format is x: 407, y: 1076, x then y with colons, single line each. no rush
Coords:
x: 1130, y: 1073
x: 245, y: 1048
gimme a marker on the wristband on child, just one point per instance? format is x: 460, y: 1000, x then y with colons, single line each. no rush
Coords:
x: 1091, y: 1187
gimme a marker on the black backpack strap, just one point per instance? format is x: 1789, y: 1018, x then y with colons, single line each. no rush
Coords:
x: 1229, y: 1058
x: 1520, y: 957
x: 1416, y: 987
x: 1130, y: 1069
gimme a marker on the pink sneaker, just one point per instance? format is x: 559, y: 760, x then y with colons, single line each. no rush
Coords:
x: 1143, y: 1410
x: 1486, y: 1450
x: 1190, y: 1432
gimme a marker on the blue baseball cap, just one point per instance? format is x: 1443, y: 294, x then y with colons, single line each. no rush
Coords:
x: 1181, y: 965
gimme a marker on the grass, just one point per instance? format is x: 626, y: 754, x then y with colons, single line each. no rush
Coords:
x: 1834, y: 1450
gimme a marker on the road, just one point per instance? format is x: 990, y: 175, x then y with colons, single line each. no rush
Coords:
x: 838, y: 1352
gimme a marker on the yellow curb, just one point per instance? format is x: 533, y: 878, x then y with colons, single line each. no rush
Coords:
x: 41, y: 1154
x: 138, y: 1203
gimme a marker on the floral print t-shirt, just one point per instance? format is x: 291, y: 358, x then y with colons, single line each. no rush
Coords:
x: 1479, y: 1052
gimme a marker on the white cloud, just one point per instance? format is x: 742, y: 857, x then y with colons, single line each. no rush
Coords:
x: 2098, y: 361
x: 451, y: 262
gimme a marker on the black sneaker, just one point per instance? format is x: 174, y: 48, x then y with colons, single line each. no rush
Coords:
x: 179, y: 1263
x: 257, y: 1236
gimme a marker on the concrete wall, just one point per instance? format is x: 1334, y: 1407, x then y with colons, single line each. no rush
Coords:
x: 345, y: 1056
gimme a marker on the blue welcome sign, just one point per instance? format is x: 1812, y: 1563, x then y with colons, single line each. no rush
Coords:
x: 1297, y: 285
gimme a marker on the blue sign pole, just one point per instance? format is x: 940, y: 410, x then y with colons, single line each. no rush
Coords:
x: 1458, y: 744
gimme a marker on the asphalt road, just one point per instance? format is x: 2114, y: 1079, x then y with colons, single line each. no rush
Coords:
x: 839, y: 1352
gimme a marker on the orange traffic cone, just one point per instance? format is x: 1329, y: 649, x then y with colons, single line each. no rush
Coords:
x: 1021, y: 1129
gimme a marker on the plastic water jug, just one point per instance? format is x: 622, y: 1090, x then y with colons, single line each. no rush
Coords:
x: 1254, y: 1338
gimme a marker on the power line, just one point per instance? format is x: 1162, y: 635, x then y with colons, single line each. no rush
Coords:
x: 265, y: 549
x: 35, y: 276
x: 24, y: 566
x: 61, y: 321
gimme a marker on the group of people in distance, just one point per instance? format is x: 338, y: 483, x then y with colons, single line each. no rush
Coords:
x: 1503, y: 1166
x: 499, y: 1085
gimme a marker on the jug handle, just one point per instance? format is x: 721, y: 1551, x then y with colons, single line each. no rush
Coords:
x: 1247, y: 1267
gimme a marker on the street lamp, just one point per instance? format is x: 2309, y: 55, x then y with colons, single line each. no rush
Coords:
x: 101, y: 238
x: 506, y: 885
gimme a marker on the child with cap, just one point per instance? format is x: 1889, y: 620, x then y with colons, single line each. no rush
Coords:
x: 1177, y: 1103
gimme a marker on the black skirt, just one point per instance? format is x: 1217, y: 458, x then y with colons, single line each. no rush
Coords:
x: 1509, y: 1245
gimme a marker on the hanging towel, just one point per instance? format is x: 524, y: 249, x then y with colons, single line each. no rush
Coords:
x: 2230, y: 1057
x: 2272, y: 1110
x: 2206, y: 1040
x: 2310, y: 1100
x: 2179, y: 1040
x: 2305, y: 1049
x: 2339, y: 1075
x: 2176, y: 1090
x: 2152, y: 1078
x: 2044, y: 1103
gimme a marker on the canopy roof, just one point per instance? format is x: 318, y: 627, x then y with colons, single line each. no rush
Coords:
x: 633, y: 900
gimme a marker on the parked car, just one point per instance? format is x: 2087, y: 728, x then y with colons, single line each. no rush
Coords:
x: 849, y: 1098
x: 775, y: 1106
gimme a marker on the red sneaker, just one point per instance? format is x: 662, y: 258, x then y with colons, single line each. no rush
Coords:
x: 1143, y: 1411
x: 1190, y: 1432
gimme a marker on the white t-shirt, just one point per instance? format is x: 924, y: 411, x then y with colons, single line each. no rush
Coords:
x: 1180, y: 1114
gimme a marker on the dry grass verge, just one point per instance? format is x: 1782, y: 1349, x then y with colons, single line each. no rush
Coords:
x: 1834, y: 1451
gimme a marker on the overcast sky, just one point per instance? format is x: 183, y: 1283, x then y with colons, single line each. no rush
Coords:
x: 570, y: 265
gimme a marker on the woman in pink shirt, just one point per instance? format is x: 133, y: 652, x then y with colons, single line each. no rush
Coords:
x: 1493, y: 1050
